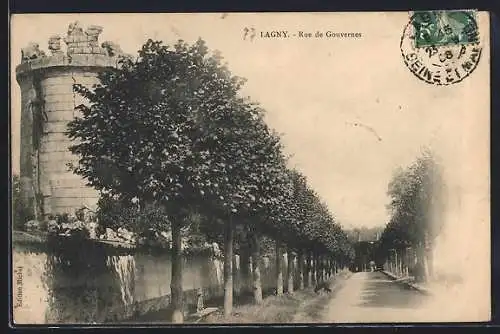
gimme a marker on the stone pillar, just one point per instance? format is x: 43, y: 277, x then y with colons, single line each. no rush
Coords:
x: 47, y: 105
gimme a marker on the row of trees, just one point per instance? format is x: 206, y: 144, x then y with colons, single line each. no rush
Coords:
x: 416, y: 204
x: 170, y: 130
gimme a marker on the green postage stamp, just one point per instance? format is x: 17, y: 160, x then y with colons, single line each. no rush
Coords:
x: 441, y: 47
x: 436, y: 28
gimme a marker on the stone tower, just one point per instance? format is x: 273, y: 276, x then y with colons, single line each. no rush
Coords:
x: 47, y: 105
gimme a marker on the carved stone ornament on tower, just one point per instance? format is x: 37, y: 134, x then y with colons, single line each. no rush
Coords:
x: 93, y: 33
x: 112, y: 48
x: 55, y: 45
x: 83, y: 42
x: 75, y: 38
x: 32, y: 51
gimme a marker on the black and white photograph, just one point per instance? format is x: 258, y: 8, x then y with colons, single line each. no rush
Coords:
x: 250, y: 168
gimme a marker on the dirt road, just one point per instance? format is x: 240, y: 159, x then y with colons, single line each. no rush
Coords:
x: 371, y: 297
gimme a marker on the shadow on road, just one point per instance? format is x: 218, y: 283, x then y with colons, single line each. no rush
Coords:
x: 380, y: 291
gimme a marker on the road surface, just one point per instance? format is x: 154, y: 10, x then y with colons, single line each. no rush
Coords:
x: 372, y: 297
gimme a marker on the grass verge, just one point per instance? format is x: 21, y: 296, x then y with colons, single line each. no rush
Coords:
x: 300, y: 307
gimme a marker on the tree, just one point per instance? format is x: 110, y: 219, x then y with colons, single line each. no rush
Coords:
x: 140, y: 135
x: 169, y: 130
x: 416, y: 195
x: 248, y: 164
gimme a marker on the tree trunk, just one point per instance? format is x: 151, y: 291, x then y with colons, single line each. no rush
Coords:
x: 428, y: 256
x: 320, y: 268
x: 308, y: 276
x: 396, y: 261
x: 408, y: 261
x: 257, y: 283
x: 391, y: 263
x: 328, y: 268
x: 325, y: 267
x: 279, y: 269
x: 430, y: 263
x: 301, y: 269
x: 245, y: 269
x: 236, y: 276
x: 228, y: 267
x: 401, y: 265
x: 403, y: 262
x: 422, y: 269
x: 314, y: 270
x: 425, y: 264
x: 290, y: 271
x: 321, y: 261
x: 312, y: 276
x: 393, y: 260
x: 176, y: 282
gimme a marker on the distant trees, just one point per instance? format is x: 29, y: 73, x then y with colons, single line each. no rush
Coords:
x: 416, y: 201
x: 365, y: 242
x: 364, y: 233
x: 170, y: 130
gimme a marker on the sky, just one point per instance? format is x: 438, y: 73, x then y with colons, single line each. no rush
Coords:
x: 314, y: 90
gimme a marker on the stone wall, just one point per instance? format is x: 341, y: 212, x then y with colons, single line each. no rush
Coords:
x: 47, y: 105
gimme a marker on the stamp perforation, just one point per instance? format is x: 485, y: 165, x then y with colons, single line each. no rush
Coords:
x: 467, y: 12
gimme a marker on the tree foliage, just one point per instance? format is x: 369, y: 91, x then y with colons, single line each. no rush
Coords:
x: 171, y: 132
x: 416, y: 198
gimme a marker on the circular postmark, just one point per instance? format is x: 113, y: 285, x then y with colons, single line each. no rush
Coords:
x: 441, y: 47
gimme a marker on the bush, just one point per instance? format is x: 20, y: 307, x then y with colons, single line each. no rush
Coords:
x: 151, y: 225
x: 147, y: 221
x: 32, y: 225
x: 52, y: 226
x: 20, y: 210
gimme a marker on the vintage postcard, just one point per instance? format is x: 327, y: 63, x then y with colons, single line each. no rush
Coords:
x: 250, y: 168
